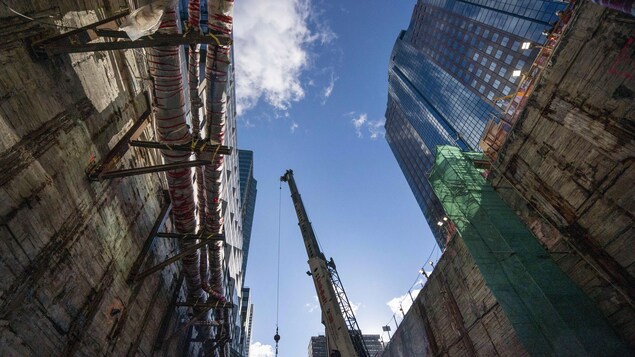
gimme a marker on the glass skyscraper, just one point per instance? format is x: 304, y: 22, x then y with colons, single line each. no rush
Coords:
x: 449, y: 74
x: 318, y: 347
x: 248, y: 193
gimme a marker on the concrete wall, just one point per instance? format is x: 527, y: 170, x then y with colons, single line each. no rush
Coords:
x: 568, y: 169
x: 67, y: 244
x: 455, y: 314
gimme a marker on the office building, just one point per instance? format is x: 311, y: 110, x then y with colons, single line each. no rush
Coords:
x: 374, y: 346
x: 248, y: 193
x: 451, y: 72
x: 247, y: 315
x: 318, y: 348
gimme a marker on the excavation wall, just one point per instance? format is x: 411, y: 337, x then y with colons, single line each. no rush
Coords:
x: 568, y: 167
x: 67, y: 245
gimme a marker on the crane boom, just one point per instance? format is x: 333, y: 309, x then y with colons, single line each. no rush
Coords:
x: 343, y: 333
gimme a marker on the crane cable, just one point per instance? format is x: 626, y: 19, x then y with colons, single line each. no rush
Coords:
x: 277, y: 336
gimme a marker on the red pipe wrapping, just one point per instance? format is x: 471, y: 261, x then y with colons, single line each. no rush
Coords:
x: 216, y: 73
x: 194, y: 11
x: 170, y: 115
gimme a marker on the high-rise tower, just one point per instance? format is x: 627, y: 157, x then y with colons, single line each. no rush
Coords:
x: 248, y: 193
x: 449, y: 74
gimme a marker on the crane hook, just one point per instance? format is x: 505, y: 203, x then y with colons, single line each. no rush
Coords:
x: 276, y: 338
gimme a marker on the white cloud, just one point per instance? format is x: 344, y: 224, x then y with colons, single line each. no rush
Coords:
x: 294, y: 126
x: 404, y: 302
x: 328, y: 90
x: 259, y: 350
x: 272, y: 40
x: 312, y: 306
x: 374, y: 128
x: 359, y: 123
x: 355, y: 307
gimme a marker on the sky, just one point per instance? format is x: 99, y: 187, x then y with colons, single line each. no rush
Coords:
x: 311, y: 88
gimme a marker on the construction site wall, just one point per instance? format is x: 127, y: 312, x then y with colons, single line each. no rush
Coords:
x: 455, y: 314
x: 67, y: 244
x: 568, y: 169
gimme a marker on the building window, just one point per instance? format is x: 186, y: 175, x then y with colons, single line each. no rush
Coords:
x: 499, y: 54
x: 487, y: 78
x: 504, y: 41
x: 479, y: 72
x: 502, y: 71
x: 494, y: 37
x: 481, y: 89
x: 521, y: 64
x: 509, y: 59
x: 515, y: 46
x: 492, y: 66
x: 483, y: 61
x: 497, y: 84
x: 485, y: 33
x: 490, y: 95
x: 475, y: 57
x: 506, y: 90
x: 489, y: 50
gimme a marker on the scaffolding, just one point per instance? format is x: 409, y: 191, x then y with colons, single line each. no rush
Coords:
x: 550, y: 314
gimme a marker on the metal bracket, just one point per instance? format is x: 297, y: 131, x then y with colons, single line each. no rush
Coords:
x: 81, y: 39
x: 212, y: 305
x: 184, y: 252
x: 160, y: 221
x: 105, y: 170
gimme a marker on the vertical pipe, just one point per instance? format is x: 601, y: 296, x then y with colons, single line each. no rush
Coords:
x: 216, y: 73
x: 165, y: 68
x: 194, y: 18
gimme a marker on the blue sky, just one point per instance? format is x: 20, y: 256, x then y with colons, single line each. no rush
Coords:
x: 311, y: 87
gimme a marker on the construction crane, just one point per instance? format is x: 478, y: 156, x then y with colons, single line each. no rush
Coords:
x: 344, y: 338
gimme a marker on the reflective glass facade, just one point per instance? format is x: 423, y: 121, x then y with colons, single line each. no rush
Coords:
x: 449, y: 74
x: 318, y: 348
x: 248, y: 193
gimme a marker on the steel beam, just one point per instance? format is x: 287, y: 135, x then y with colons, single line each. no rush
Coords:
x: 155, y: 40
x: 148, y: 169
x: 122, y: 146
x: 196, y: 146
x: 214, y: 305
x: 190, y: 236
x: 174, y: 259
x: 83, y: 34
x: 79, y: 40
x: 167, y: 316
x: 160, y: 221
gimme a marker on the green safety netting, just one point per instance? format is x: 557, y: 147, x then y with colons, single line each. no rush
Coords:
x: 550, y: 314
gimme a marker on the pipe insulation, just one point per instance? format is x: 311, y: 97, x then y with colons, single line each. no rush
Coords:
x: 193, y: 23
x: 216, y: 73
x: 170, y: 115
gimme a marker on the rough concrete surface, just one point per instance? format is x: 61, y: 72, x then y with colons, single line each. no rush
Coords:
x: 455, y: 314
x: 67, y: 244
x: 568, y: 167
